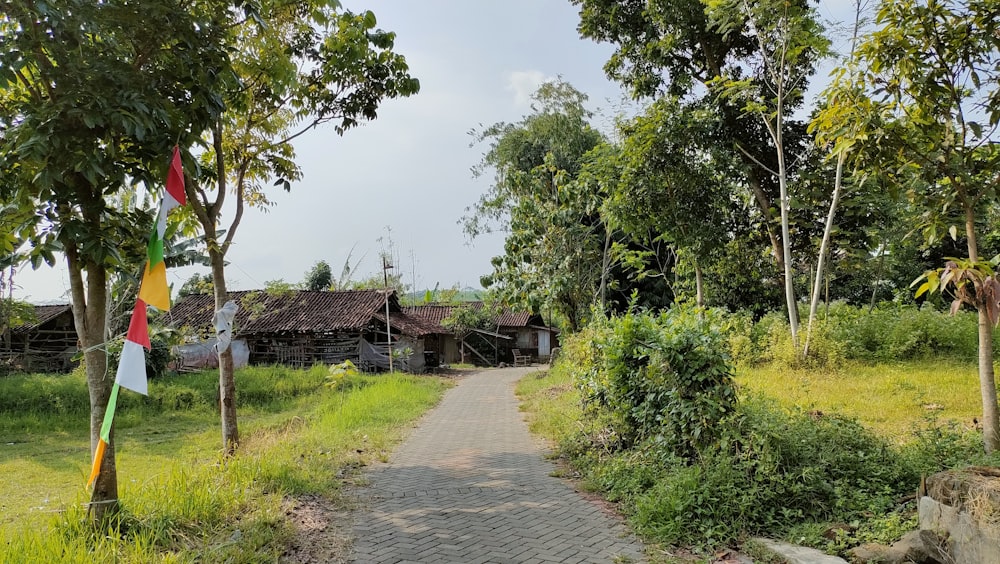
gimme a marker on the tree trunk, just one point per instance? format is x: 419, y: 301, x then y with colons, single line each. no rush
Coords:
x: 699, y: 285
x: 987, y: 385
x: 227, y: 380
x: 824, y: 248
x: 987, y: 382
x: 786, y: 238
x: 90, y: 318
x: 878, y: 275
x: 605, y: 267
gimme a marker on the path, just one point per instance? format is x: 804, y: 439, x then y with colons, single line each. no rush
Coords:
x: 471, y: 486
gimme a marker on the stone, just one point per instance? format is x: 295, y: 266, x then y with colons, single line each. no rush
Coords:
x: 960, y: 514
x: 935, y: 545
x: 908, y: 550
x: 799, y: 554
x: 911, y: 548
x: 869, y: 553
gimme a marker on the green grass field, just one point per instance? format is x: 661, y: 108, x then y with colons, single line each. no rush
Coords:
x: 180, y: 501
x: 892, y: 399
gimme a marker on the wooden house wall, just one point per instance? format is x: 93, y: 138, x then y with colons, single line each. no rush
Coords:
x: 303, y: 349
x: 47, y: 348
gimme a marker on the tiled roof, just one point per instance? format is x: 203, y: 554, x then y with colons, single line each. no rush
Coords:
x: 506, y: 318
x: 409, y: 324
x: 431, y: 313
x: 43, y: 314
x: 295, y: 312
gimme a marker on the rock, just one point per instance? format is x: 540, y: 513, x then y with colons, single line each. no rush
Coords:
x: 909, y: 549
x: 799, y: 554
x: 869, y: 553
x: 935, y: 545
x: 959, y: 516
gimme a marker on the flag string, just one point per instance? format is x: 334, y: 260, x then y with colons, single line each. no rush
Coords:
x: 153, y: 290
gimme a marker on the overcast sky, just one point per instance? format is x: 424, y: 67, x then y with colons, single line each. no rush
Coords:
x: 478, y: 61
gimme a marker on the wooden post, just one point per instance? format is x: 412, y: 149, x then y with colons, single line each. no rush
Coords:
x: 388, y: 333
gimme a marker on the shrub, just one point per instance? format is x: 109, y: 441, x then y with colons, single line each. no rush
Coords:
x: 769, y: 471
x: 158, y: 357
x: 890, y: 332
x: 655, y: 375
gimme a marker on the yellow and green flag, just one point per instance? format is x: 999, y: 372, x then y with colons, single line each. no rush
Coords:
x: 154, y: 290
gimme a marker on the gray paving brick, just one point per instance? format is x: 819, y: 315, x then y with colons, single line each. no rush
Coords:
x: 471, y: 485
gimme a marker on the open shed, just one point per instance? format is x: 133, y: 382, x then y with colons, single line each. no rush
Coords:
x: 301, y: 328
x: 508, y: 330
x: 47, y: 345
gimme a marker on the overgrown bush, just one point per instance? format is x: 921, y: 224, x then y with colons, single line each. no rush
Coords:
x: 890, y: 332
x: 158, y: 357
x: 662, y: 435
x: 662, y: 376
x: 768, y: 471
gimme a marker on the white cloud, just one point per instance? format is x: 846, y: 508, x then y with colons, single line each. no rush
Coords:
x: 524, y: 83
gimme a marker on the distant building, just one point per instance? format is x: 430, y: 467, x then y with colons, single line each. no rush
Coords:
x: 508, y: 330
x: 301, y: 328
x: 47, y: 345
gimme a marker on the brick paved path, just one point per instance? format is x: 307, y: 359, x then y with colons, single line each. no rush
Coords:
x: 470, y: 486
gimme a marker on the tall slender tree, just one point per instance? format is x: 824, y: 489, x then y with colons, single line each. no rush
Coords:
x: 299, y: 65
x: 789, y: 43
x: 674, y: 48
x: 931, y: 70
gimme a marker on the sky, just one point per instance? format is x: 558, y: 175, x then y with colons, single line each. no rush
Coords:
x: 407, y: 175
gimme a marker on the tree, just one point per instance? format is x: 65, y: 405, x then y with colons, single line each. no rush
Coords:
x: 319, y: 277
x: 841, y: 101
x: 932, y: 71
x: 789, y: 42
x: 299, y: 65
x: 91, y: 102
x: 674, y: 48
x: 196, y: 284
x: 466, y: 319
x: 668, y: 184
x: 554, y: 230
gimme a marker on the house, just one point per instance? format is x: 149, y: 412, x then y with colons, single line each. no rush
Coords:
x: 49, y: 344
x: 508, y: 330
x: 301, y: 328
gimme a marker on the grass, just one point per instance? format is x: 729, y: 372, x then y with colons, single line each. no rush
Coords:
x: 551, y: 402
x: 893, y: 400
x: 180, y: 502
x: 913, y: 404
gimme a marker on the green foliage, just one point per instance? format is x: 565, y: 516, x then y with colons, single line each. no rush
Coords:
x: 261, y: 386
x: 319, y: 277
x: 91, y: 104
x: 340, y: 373
x: 464, y: 319
x: 889, y: 333
x: 197, y: 284
x: 769, y: 471
x: 660, y: 377
x: 279, y: 288
x: 555, y: 235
